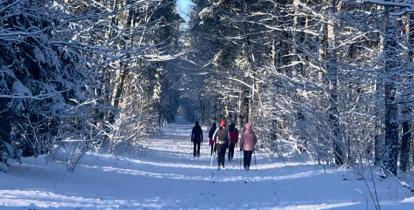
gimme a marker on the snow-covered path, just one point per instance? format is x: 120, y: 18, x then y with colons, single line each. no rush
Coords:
x: 168, y: 177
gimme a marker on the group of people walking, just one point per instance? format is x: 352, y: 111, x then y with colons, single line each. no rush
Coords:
x: 223, y: 138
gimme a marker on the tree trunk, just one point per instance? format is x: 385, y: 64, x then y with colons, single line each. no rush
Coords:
x: 391, y: 121
x: 297, y: 38
x: 405, y: 146
x: 246, y: 107
x: 124, y: 65
x: 379, y: 140
x: 332, y: 71
x: 239, y: 110
x: 407, y: 111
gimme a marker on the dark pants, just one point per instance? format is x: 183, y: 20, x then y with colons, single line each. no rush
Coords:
x: 221, y: 154
x: 212, y: 149
x: 231, y: 151
x: 247, y: 156
x: 196, y: 151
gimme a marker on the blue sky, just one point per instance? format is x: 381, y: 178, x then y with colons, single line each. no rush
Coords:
x: 184, y: 8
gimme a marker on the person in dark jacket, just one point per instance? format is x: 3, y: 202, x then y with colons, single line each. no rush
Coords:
x: 210, y: 137
x: 197, y: 138
x: 234, y: 137
x: 221, y: 137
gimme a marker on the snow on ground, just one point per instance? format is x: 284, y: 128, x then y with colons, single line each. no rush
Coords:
x: 168, y: 177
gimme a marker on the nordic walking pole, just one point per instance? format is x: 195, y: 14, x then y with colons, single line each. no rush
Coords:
x: 254, y: 154
x: 240, y: 152
x: 214, y: 147
x: 211, y: 159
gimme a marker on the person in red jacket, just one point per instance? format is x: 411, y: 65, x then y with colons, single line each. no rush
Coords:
x: 234, y: 137
x: 248, y: 141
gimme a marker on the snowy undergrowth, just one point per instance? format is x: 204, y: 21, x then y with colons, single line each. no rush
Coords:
x: 168, y: 177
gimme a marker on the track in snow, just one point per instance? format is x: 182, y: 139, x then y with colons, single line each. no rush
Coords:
x: 168, y: 177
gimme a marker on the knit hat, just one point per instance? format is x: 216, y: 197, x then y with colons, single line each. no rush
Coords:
x: 222, y: 123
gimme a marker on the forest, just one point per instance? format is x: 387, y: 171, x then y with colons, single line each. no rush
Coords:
x: 331, y: 80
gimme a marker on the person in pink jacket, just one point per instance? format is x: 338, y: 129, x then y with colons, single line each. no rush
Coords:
x: 248, y: 141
